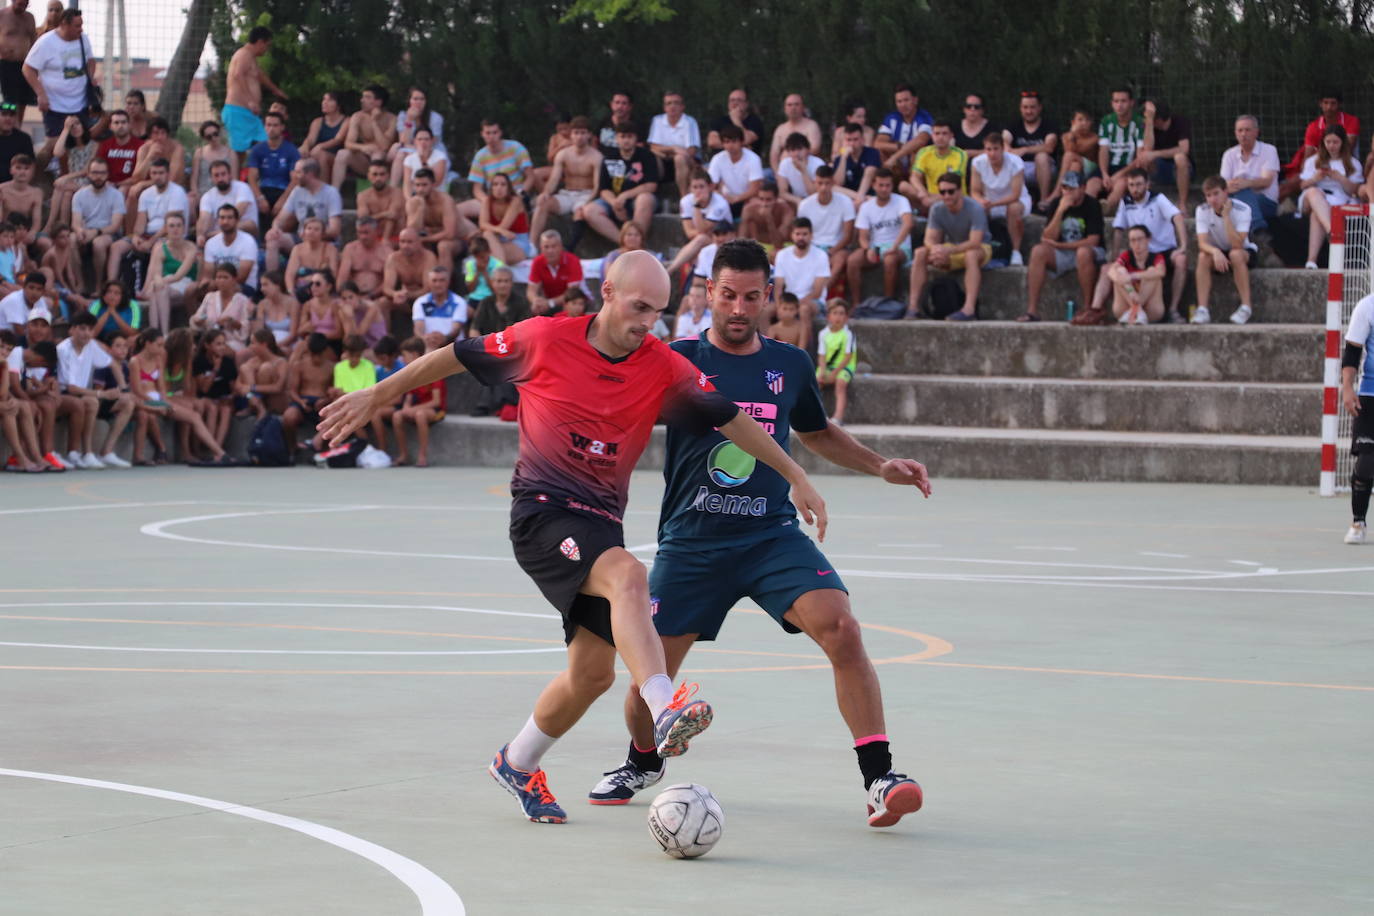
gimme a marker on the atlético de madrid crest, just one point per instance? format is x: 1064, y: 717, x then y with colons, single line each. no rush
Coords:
x: 570, y: 549
x: 773, y: 379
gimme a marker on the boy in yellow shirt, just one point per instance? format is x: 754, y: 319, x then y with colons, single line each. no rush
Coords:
x: 940, y: 157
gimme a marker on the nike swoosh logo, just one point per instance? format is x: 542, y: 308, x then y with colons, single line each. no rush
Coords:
x: 824, y: 572
x: 709, y: 377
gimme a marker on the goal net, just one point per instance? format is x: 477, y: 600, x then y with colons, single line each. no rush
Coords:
x: 1348, y: 283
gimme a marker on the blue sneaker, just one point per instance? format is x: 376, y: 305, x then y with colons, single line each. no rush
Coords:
x: 530, y: 789
x: 681, y: 722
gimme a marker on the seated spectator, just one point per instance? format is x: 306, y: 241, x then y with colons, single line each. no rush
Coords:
x: 325, y: 138
x: 440, y: 310
x: 1224, y: 246
x: 426, y: 155
x: 904, y: 130
x: 1120, y: 136
x: 575, y: 303
x: 270, y: 164
x: 839, y: 355
x: 97, y: 215
x: 77, y: 359
x: 368, y: 137
x: 62, y: 266
x: 18, y: 418
x: 324, y: 315
x: 795, y: 170
x: 954, y: 242
x: 766, y: 219
x: 14, y: 250
x: 884, y: 223
x: 1034, y: 141
x: 796, y: 121
x: 119, y: 151
x: 384, y: 203
x: 477, y: 269
x: 552, y: 274
x: 18, y: 196
x: 76, y: 150
x: 804, y: 271
x: 262, y: 376
x: 155, y: 204
x: 560, y: 139
x: 353, y: 372
x: 740, y: 113
x: 312, y: 197
x: 225, y: 190
x: 1081, y: 149
x: 736, y: 170
x: 278, y: 312
x: 161, y: 146
x: 503, y: 223
x: 1167, y: 153
x: 1071, y: 240
x: 313, y: 255
x: 572, y: 183
x: 225, y: 308
x: 701, y: 209
x: 631, y: 239
x: 38, y: 378
x: 1251, y: 170
x: 622, y: 109
x: 1137, y: 279
x: 694, y: 316
x: 856, y: 164
x: 1330, y: 114
x: 422, y: 406
x: 403, y: 278
x: 1330, y: 178
x: 307, y: 387
x: 150, y: 369
x: 136, y: 104
x: 832, y: 220
x: 214, y: 147
x: 852, y: 112
x: 787, y: 324
x: 997, y: 181
x: 13, y: 139
x: 173, y: 267
x: 503, y: 308
x: 626, y: 187
x: 364, y: 262
x: 675, y: 139
x: 239, y: 249
x: 974, y: 126
x: 497, y: 156
x: 1167, y: 236
x: 940, y: 157
x: 433, y: 216
x: 416, y: 117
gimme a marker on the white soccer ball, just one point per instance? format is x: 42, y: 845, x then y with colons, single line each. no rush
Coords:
x: 686, y: 820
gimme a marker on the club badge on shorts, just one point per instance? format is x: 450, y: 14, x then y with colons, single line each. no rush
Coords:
x: 570, y: 549
x: 773, y: 379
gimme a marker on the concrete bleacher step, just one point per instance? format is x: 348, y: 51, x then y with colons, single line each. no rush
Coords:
x: 990, y: 453
x: 1218, y: 352
x: 1105, y: 405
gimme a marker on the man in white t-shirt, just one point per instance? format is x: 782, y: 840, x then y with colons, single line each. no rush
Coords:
x: 695, y: 315
x: 796, y: 169
x: 700, y: 211
x: 997, y: 180
x: 162, y: 198
x: 225, y: 189
x: 884, y: 223
x: 77, y: 359
x: 832, y: 220
x: 721, y: 233
x: 1224, y: 246
x: 1168, y: 236
x: 803, y: 270
x: 53, y: 68
x: 235, y: 247
x: 675, y: 138
x: 736, y: 170
x: 440, y: 310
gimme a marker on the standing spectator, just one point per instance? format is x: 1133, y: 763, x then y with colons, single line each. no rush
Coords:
x: 839, y: 355
x: 854, y: 113
x: 18, y: 32
x: 741, y: 114
x: 327, y: 133
x: 417, y: 116
x: 243, y: 92
x: 856, y: 165
x: 552, y: 274
x: 572, y: 184
x: 312, y: 198
x: 1224, y: 246
x: 503, y: 223
x: 154, y: 206
x: 1137, y: 280
x: 434, y: 216
x: 904, y: 130
x: 1330, y: 114
x: 496, y: 156
x: 77, y: 359
x: 701, y: 209
x: 440, y: 310
x: 1120, y: 135
x: 239, y: 249
x: 367, y: 138
x: 974, y: 126
x: 795, y: 170
x: 1166, y: 235
x: 119, y: 150
x: 997, y: 181
x: 270, y: 164
x: 173, y: 266
x: 1251, y: 170
x: 884, y: 223
x: 1072, y: 240
x: 736, y: 170
x: 13, y: 140
x: 1034, y: 140
x: 953, y: 242
x: 1167, y: 152
x: 97, y: 215
x: 225, y: 190
x: 832, y: 220
x: 59, y: 68
x: 804, y: 271
x: 382, y: 202
x: 1330, y: 178
x: 628, y: 180
x: 622, y: 114
x: 675, y: 139
x: 796, y: 121
x: 941, y: 157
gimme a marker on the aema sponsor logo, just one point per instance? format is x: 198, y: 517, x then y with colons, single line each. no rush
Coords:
x: 729, y: 466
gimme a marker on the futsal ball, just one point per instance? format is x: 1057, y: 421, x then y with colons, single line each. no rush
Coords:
x: 686, y: 820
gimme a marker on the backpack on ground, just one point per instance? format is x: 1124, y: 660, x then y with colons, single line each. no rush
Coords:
x: 267, y: 446
x: 946, y: 298
x: 881, y: 308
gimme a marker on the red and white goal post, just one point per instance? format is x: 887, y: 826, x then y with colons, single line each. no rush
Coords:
x: 1348, y: 281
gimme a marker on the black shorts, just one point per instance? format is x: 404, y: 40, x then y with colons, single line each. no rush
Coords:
x: 1362, y: 427
x: 556, y: 547
x: 13, y: 86
x: 106, y: 410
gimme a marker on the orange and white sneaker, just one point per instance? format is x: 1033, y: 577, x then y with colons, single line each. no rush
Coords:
x: 54, y: 461
x: 681, y: 721
x: 891, y: 797
x: 530, y: 789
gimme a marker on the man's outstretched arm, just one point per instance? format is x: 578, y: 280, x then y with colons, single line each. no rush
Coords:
x: 354, y: 410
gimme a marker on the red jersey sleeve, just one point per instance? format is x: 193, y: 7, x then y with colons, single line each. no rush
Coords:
x: 691, y: 402
x: 504, y: 356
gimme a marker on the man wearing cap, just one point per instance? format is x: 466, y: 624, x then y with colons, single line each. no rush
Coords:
x: 13, y: 141
x: 1072, y: 240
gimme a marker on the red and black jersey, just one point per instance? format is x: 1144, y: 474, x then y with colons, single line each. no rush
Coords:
x: 585, y: 418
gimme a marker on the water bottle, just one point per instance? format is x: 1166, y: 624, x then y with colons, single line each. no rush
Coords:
x: 1069, y: 308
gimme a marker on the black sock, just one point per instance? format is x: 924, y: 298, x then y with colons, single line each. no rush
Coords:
x: 579, y: 229
x: 1359, y: 498
x: 875, y: 760
x: 648, y: 761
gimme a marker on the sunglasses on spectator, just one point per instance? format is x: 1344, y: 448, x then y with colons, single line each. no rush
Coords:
x: 948, y: 192
x: 317, y: 283
x: 210, y: 135
x: 973, y: 104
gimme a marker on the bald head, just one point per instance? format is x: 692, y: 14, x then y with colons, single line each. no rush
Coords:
x: 636, y: 293
x: 639, y: 275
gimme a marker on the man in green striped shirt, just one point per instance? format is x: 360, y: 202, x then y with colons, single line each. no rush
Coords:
x: 1120, y: 137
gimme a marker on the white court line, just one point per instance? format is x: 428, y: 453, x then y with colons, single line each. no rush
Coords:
x: 87, y: 507
x: 1037, y: 547
x: 260, y: 604
x: 652, y: 545
x: 910, y: 545
x: 51, y: 645
x: 435, y: 896
x: 1245, y: 562
x: 1171, y: 556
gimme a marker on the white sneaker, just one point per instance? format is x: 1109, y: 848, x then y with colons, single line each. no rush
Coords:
x: 73, y: 460
x: 1356, y: 534
x: 91, y: 463
x: 1201, y: 315
x: 1311, y: 265
x: 1241, y: 315
x: 1141, y: 317
x: 114, y: 461
x: 1017, y: 260
x: 618, y: 786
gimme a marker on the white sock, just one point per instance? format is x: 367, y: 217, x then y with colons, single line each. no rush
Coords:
x: 657, y: 691
x: 528, y: 748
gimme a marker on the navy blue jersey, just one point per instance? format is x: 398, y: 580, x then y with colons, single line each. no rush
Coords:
x: 717, y: 495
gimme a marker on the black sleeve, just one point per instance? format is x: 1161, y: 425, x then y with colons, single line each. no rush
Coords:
x: 808, y: 414
x: 1350, y: 358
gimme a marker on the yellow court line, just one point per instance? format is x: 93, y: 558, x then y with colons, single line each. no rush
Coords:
x: 79, y: 489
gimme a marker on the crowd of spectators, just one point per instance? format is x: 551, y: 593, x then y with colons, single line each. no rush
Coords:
x: 140, y: 280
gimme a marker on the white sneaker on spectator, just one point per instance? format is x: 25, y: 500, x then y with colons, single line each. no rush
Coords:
x: 1201, y: 315
x: 1016, y: 259
x: 1356, y: 534
x: 73, y: 460
x: 114, y: 461
x: 91, y: 463
x: 1241, y: 315
x: 1141, y: 317
x: 1311, y: 265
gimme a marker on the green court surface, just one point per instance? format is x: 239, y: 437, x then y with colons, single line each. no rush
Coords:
x: 277, y: 692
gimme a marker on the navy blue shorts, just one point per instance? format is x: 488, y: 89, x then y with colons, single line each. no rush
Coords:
x: 691, y: 591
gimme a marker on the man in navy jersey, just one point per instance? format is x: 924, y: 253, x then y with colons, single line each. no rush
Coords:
x: 720, y: 507
x: 591, y: 388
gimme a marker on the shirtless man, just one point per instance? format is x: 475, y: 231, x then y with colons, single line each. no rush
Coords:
x: 243, y: 93
x: 434, y: 216
x: 382, y: 202
x: 18, y: 195
x: 797, y: 122
x: 62, y: 266
x: 364, y: 263
x: 573, y: 181
x: 161, y: 145
x: 309, y: 380
x: 17, y: 35
x: 370, y: 134
x: 1080, y: 154
x: 403, y: 279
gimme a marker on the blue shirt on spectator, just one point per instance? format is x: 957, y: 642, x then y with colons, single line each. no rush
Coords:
x: 902, y: 131
x: 274, y: 165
